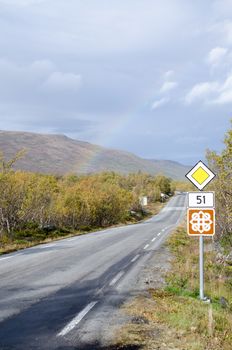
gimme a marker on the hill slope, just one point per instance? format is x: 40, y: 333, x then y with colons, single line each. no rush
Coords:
x: 58, y: 154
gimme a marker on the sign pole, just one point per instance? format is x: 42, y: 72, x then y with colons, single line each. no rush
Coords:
x: 201, y: 213
x: 201, y: 266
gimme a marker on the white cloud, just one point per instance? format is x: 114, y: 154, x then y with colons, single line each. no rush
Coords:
x: 108, y: 26
x: 228, y: 31
x: 168, y: 75
x: 223, y: 29
x: 225, y: 97
x: 227, y: 84
x: 211, y: 92
x: 225, y: 92
x: 216, y: 55
x: 23, y: 84
x: 201, y: 91
x: 20, y: 2
x: 18, y: 77
x: 44, y: 65
x: 159, y: 103
x: 168, y: 86
x: 223, y: 7
x: 58, y: 81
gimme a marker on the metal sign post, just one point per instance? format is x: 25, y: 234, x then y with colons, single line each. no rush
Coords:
x: 201, y: 266
x: 201, y: 213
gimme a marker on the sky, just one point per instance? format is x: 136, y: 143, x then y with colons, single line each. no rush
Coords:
x: 152, y: 77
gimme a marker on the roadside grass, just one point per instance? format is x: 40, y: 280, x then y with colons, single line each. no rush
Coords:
x: 173, y: 317
x: 22, y: 240
x: 32, y: 236
x: 183, y: 279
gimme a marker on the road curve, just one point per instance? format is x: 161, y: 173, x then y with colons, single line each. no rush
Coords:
x: 57, y: 295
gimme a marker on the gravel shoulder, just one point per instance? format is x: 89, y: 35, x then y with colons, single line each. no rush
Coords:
x: 124, y: 321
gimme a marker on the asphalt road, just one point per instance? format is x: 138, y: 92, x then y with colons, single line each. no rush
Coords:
x: 59, y: 295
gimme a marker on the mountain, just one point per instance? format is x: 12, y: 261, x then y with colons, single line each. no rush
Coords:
x: 58, y: 154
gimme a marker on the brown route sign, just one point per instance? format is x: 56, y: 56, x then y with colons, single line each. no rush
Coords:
x: 201, y: 222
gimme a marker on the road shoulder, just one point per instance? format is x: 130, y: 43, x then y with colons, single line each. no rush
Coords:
x: 170, y: 315
x: 152, y: 275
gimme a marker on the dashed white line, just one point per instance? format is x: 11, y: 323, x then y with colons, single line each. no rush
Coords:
x: 159, y: 234
x: 146, y: 246
x: 116, y: 278
x: 153, y: 239
x: 77, y: 319
x: 164, y: 229
x: 135, y: 258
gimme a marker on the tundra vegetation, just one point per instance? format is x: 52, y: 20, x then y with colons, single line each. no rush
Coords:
x: 173, y: 317
x: 35, y: 207
x: 174, y: 314
x: 221, y: 164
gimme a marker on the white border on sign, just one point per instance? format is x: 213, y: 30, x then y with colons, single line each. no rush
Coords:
x: 201, y: 234
x: 202, y: 193
x: 192, y: 171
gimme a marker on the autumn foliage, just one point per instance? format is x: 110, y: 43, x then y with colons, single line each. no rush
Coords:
x: 32, y: 202
x: 221, y: 164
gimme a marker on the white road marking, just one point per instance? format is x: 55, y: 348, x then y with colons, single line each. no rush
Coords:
x: 159, y: 234
x: 164, y: 229
x: 146, y: 246
x: 135, y: 258
x: 71, y: 239
x: 116, y: 278
x: 173, y: 208
x: 9, y: 257
x: 153, y: 239
x: 47, y: 246
x: 77, y: 319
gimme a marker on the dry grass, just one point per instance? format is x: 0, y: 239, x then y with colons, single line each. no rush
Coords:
x: 9, y: 246
x: 184, y: 277
x: 174, y: 317
x: 173, y: 322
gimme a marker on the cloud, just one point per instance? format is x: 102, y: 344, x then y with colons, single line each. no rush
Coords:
x: 21, y: 81
x: 201, y: 91
x: 101, y: 61
x: 159, y: 103
x: 168, y: 75
x: 59, y: 81
x: 37, y: 84
x: 168, y: 86
x: 211, y: 92
x: 224, y: 98
x: 131, y: 26
x: 228, y: 31
x: 223, y: 30
x: 225, y: 92
x: 20, y: 2
x: 216, y: 55
x: 222, y: 7
x: 42, y: 65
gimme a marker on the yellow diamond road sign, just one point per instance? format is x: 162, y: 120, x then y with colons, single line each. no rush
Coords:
x: 200, y: 175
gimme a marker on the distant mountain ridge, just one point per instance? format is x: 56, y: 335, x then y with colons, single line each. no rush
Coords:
x: 59, y: 154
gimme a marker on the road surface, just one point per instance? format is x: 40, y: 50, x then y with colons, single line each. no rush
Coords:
x: 59, y: 295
